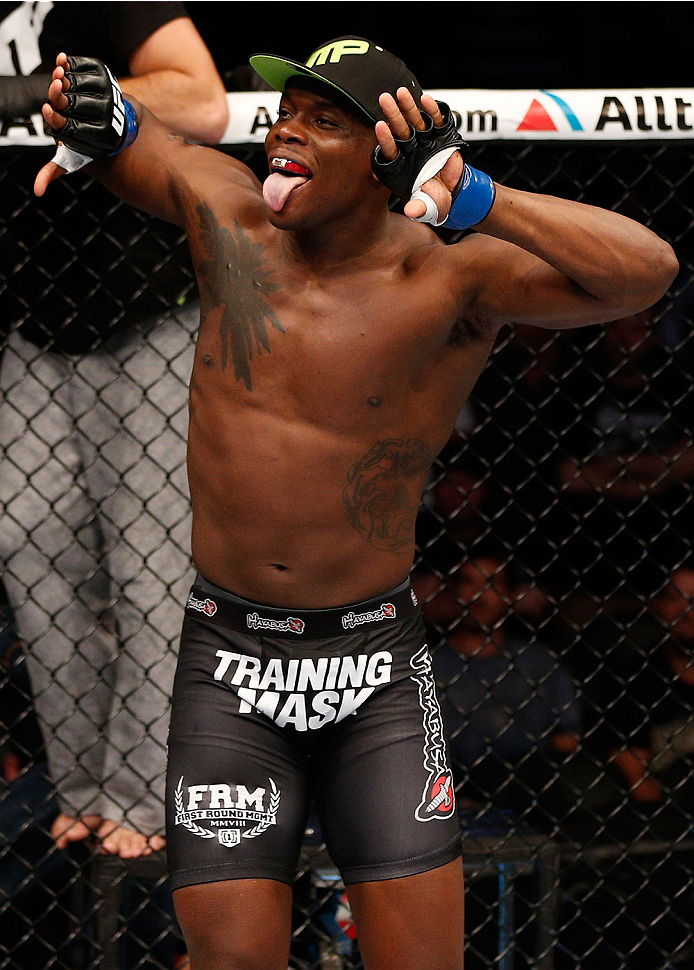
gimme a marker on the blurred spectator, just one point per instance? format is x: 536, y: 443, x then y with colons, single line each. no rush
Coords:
x: 30, y: 874
x: 642, y: 703
x: 453, y: 514
x: 93, y: 425
x: 523, y: 410
x: 625, y: 910
x: 21, y: 744
x: 508, y: 703
x: 627, y: 484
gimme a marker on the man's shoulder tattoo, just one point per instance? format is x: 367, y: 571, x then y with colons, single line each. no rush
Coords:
x: 234, y: 285
x: 379, y: 493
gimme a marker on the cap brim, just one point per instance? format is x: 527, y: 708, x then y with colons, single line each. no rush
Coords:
x: 278, y: 70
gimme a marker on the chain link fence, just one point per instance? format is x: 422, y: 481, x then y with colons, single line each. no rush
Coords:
x: 553, y: 564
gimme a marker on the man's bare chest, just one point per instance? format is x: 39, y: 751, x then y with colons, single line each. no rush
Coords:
x: 272, y: 327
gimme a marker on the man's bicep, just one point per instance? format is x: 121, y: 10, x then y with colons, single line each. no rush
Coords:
x: 161, y: 173
x: 507, y: 285
x: 145, y: 174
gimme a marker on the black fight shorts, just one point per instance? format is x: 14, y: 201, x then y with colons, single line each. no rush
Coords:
x: 278, y: 713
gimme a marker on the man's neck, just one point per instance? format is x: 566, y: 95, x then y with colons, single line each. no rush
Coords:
x: 344, y: 248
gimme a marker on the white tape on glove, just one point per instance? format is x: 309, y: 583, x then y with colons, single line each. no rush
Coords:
x: 70, y: 160
x: 428, y: 171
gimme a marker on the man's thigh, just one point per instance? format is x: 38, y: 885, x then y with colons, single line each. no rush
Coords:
x: 413, y: 923
x: 235, y: 810
x: 237, y: 787
x: 383, y: 786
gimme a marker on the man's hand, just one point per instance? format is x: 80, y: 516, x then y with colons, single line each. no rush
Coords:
x: 88, y: 111
x: 402, y: 113
x: 57, y: 102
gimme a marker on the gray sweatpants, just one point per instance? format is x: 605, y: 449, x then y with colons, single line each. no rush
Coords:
x: 95, y: 544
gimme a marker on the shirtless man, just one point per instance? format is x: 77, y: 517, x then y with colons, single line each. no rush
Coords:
x: 338, y: 344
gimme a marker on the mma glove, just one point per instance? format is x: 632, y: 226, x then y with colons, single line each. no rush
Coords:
x: 420, y: 157
x: 100, y: 122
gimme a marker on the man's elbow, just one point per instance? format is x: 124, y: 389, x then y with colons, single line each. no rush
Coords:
x: 663, y: 270
x: 667, y: 267
x: 644, y: 284
x: 212, y: 120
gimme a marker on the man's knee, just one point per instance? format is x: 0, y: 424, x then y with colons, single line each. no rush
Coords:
x: 237, y: 924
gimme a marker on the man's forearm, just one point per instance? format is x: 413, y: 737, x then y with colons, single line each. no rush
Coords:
x: 180, y: 103
x: 609, y: 256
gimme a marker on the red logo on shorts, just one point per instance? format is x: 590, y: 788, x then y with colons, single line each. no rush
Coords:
x: 388, y: 610
x: 206, y: 606
x: 296, y: 625
x: 441, y: 794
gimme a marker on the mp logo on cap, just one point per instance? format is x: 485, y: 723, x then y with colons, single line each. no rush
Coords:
x: 337, y: 50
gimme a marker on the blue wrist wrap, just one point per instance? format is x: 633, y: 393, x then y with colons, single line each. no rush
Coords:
x: 473, y: 201
x: 131, y: 127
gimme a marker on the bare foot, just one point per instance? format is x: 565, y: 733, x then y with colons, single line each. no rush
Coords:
x: 126, y: 843
x: 68, y: 828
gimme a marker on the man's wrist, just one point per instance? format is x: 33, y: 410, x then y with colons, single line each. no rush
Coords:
x: 473, y: 201
x: 131, y: 127
x: 72, y: 160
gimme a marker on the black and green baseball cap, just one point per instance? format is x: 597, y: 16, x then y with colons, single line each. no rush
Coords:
x: 358, y: 68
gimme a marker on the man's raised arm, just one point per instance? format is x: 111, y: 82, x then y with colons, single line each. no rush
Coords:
x: 561, y: 264
x: 126, y: 147
x: 534, y: 258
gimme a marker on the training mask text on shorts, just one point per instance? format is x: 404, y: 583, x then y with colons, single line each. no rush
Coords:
x: 305, y: 693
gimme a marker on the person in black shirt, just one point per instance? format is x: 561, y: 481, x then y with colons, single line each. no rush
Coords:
x: 93, y: 426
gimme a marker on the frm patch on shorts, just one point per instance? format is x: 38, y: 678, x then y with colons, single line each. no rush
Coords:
x: 227, y: 813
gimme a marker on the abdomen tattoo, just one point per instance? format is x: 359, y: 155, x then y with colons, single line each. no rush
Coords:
x: 379, y: 497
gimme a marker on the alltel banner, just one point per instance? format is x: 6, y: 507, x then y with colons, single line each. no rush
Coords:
x: 483, y: 115
x: 626, y: 114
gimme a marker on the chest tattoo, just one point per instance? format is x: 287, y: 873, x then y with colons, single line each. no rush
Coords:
x: 380, y: 497
x: 234, y: 285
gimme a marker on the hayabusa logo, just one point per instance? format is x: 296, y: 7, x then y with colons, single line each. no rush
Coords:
x: 442, y: 794
x: 291, y: 625
x: 206, y: 606
x: 386, y: 612
x: 438, y: 797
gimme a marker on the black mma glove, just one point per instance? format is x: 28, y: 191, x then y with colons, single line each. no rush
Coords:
x: 400, y: 174
x: 421, y: 157
x: 100, y: 122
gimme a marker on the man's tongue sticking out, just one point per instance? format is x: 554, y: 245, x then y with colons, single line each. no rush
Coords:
x: 277, y: 189
x: 285, y: 176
